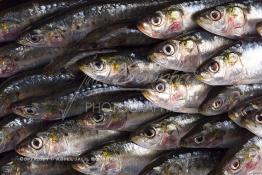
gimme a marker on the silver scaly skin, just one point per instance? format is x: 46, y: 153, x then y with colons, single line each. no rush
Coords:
x: 243, y: 161
x: 165, y: 134
x: 126, y: 68
x: 214, y: 132
x: 64, y: 140
x: 178, y: 93
x: 174, y: 20
x: 15, y: 19
x: 188, y: 52
x: 223, y: 100
x: 126, y: 115
x: 249, y: 115
x: 122, y: 157
x: 237, y: 19
x: 199, y: 162
x: 239, y: 64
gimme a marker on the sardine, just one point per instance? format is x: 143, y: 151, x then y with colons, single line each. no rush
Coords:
x: 235, y: 19
x: 122, y: 157
x: 222, y: 100
x: 166, y: 133
x: 242, y: 161
x: 15, y: 19
x: 239, y: 64
x: 188, y: 52
x: 178, y: 92
x: 126, y: 68
x: 125, y: 115
x: 64, y: 140
x: 214, y: 132
x: 187, y: 162
x: 73, y: 26
x: 249, y: 115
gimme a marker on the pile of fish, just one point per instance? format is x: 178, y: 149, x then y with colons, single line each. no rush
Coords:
x: 131, y: 87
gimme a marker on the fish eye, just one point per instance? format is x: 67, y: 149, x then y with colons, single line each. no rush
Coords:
x: 160, y: 87
x: 98, y: 65
x: 35, y: 37
x: 98, y: 118
x: 91, y: 160
x: 235, y: 165
x: 156, y: 20
x: 149, y: 132
x: 30, y: 110
x: 215, y: 15
x: 217, y: 104
x: 37, y: 143
x: 259, y: 119
x: 199, y: 139
x: 214, y: 67
x: 168, y: 49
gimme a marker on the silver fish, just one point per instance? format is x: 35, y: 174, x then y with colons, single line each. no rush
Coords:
x: 239, y: 64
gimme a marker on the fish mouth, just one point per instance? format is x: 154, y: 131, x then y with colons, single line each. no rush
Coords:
x: 79, y: 167
x: 23, y: 151
x: 142, y: 28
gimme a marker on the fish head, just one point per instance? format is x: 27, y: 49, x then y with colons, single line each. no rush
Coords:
x: 220, y: 103
x: 9, y: 30
x: 162, y: 24
x: 243, y: 112
x: 37, y: 146
x: 167, y: 92
x: 243, y: 162
x: 8, y: 66
x: 204, y: 136
x: 158, y: 135
x: 253, y: 123
x: 37, y: 110
x: 221, y: 70
x: 47, y: 36
x: 103, y: 68
x: 103, y: 120
x: 226, y: 20
x: 175, y: 52
x: 99, y: 162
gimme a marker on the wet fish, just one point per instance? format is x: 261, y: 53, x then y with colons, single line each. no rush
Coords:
x: 166, y: 133
x: 119, y: 35
x: 77, y: 23
x: 259, y: 28
x: 245, y: 160
x: 66, y: 139
x: 19, y: 165
x: 15, y: 58
x: 248, y: 115
x: 190, y: 162
x: 188, y: 52
x: 122, y: 157
x: 126, y: 68
x: 239, y: 64
x: 68, y: 103
x: 34, y: 84
x: 14, y: 129
x: 215, y: 132
x: 175, y: 19
x: 178, y: 92
x: 223, y: 100
x: 235, y: 19
x: 15, y: 19
x: 126, y: 115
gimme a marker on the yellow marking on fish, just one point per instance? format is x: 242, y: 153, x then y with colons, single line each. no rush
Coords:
x: 175, y: 14
x: 53, y: 136
x: 4, y: 27
x: 107, y: 154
